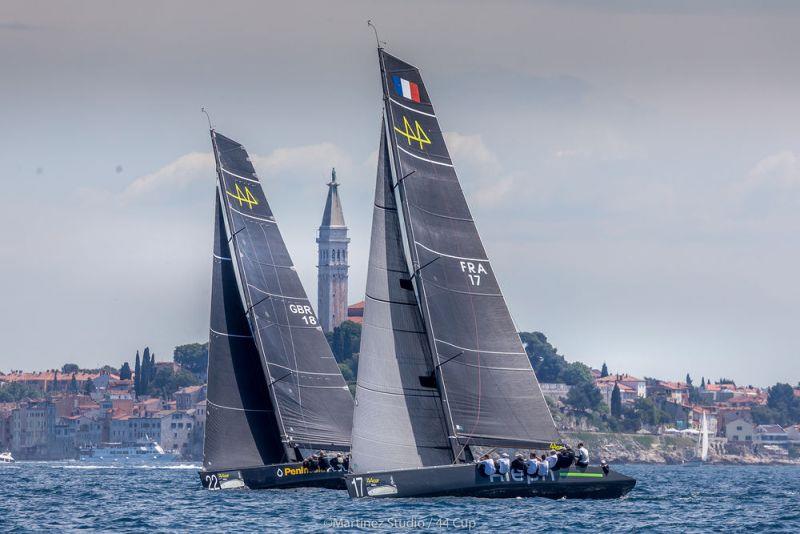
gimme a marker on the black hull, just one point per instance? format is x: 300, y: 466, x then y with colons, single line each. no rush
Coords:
x: 464, y: 480
x: 275, y: 476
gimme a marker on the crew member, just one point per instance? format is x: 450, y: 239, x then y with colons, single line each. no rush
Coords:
x: 336, y: 462
x: 583, y: 456
x: 544, y: 468
x: 532, y: 465
x: 486, y: 465
x: 518, y: 464
x: 503, y: 464
x: 324, y: 463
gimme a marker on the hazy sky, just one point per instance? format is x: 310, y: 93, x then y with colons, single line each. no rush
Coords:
x: 634, y: 169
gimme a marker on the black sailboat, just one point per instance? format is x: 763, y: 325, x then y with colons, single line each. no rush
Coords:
x: 442, y: 370
x: 275, y: 392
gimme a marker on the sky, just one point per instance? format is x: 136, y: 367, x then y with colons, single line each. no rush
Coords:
x: 633, y: 167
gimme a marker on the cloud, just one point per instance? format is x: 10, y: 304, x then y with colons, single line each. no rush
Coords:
x: 779, y: 171
x: 198, y: 167
x: 17, y: 26
x: 481, y: 169
x: 176, y: 175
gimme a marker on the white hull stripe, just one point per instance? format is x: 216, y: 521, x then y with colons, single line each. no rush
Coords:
x: 479, y: 350
x: 450, y: 255
x: 424, y: 159
x: 412, y: 109
x: 238, y: 175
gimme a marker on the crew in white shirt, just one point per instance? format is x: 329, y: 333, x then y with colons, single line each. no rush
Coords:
x: 532, y: 465
x: 503, y: 464
x: 583, y: 456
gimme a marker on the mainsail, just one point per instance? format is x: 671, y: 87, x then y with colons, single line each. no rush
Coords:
x: 313, y: 406
x: 489, y: 391
x: 241, y: 430
x: 398, y: 422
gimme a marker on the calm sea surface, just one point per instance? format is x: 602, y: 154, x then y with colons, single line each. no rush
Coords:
x: 69, y: 496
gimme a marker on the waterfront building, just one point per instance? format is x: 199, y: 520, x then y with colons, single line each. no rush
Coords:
x: 739, y: 430
x: 332, y: 262
x: 771, y: 435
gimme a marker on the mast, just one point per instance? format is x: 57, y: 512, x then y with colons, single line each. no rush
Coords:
x: 312, y: 403
x: 489, y: 392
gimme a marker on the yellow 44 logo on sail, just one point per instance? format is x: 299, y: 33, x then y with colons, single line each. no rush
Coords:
x: 244, y: 197
x: 415, y: 133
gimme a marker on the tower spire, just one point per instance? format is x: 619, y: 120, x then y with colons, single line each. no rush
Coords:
x: 332, y: 261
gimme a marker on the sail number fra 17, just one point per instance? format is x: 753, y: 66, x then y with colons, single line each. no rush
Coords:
x: 473, y: 271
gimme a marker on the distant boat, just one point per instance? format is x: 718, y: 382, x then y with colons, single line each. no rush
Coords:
x: 703, y: 442
x: 131, y: 453
x: 6, y: 458
x: 442, y: 375
x: 275, y: 392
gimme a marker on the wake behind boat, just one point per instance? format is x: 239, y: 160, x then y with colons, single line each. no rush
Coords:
x: 442, y: 371
x: 275, y: 391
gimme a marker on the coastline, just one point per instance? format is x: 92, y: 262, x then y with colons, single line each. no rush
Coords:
x: 665, y: 449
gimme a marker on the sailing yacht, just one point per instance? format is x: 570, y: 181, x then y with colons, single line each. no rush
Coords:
x: 442, y: 371
x: 275, y: 392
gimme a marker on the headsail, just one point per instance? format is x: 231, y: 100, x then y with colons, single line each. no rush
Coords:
x: 313, y: 405
x: 398, y: 421
x: 490, y: 393
x: 241, y: 430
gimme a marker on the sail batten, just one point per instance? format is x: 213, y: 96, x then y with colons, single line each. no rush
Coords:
x: 487, y: 385
x: 311, y: 401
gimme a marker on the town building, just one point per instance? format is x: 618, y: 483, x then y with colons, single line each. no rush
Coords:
x: 332, y: 262
x: 739, y: 430
x: 771, y: 435
x: 355, y: 312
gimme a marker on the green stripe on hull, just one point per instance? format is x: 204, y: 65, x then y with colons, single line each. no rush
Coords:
x: 582, y: 475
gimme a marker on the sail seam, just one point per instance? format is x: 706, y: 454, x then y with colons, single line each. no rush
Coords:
x: 237, y: 409
x: 230, y: 335
x: 276, y: 294
x: 243, y: 214
x: 222, y: 258
x: 412, y: 109
x: 424, y: 159
x: 238, y: 175
x: 450, y: 255
x: 480, y: 350
x: 414, y: 392
x: 391, y: 301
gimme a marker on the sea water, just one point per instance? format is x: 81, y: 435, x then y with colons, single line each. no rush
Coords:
x: 65, y: 496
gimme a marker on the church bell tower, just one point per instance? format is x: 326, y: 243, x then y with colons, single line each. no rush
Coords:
x: 332, y: 243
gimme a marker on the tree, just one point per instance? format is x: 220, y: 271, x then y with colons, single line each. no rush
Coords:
x: 125, y: 371
x: 604, y: 371
x: 192, y: 357
x: 144, y: 382
x: 137, y: 376
x: 73, y: 385
x: 166, y: 381
x: 345, y: 340
x: 688, y: 380
x: 702, y: 382
x: 550, y: 366
x: 69, y: 368
x: 782, y: 401
x: 88, y: 387
x: 16, y: 391
x: 616, y: 402
x: 584, y: 396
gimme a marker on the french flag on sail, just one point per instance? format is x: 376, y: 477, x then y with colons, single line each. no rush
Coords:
x: 406, y: 89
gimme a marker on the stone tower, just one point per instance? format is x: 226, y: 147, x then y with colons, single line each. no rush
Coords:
x: 332, y: 243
